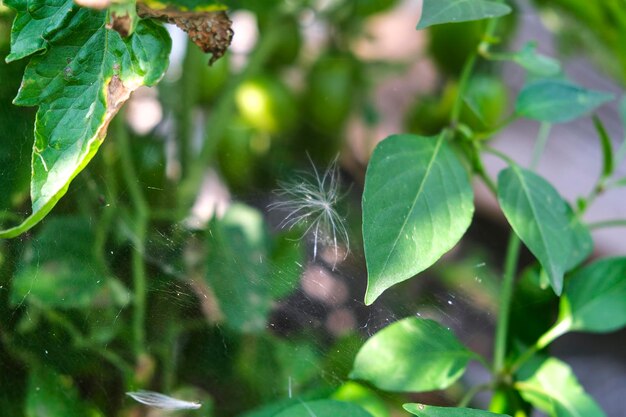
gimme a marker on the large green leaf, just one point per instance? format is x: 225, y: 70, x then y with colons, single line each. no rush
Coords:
x: 417, y: 205
x: 551, y: 386
x: 238, y: 269
x: 79, y: 84
x: 412, y: 355
x: 324, y: 408
x: 595, y: 297
x: 539, y: 216
x: 36, y: 23
x: 422, y: 410
x: 435, y: 12
x: 60, y: 269
x: 52, y: 395
x: 557, y: 101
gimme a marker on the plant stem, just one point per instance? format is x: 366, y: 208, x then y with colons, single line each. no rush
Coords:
x: 501, y: 126
x: 220, y: 117
x: 469, y: 396
x: 139, y: 284
x: 188, y: 85
x: 140, y: 223
x: 607, y: 223
x: 540, y: 144
x: 499, y: 154
x: 559, y: 329
x: 479, y: 168
x: 468, y: 68
x: 506, y: 293
x: 128, y: 168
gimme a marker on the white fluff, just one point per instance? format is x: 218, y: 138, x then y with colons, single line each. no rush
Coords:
x: 157, y: 400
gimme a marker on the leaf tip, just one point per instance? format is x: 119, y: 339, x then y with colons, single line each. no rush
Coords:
x: 372, y: 293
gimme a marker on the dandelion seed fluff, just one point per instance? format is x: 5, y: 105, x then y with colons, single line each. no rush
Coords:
x: 162, y: 401
x: 310, y: 200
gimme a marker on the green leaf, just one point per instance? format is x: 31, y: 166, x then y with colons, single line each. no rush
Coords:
x: 60, y: 269
x: 417, y: 205
x: 435, y: 12
x: 37, y: 22
x: 595, y: 297
x: 52, y: 395
x: 324, y: 408
x: 557, y: 101
x: 539, y: 216
x: 422, y: 410
x: 607, y: 147
x: 79, y: 84
x: 581, y: 240
x: 551, y: 386
x: 536, y: 63
x: 412, y: 355
x: 237, y: 268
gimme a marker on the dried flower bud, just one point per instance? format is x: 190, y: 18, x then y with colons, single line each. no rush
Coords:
x: 211, y: 31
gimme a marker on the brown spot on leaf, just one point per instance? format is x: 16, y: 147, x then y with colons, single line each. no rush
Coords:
x: 117, y: 94
x: 211, y: 31
x: 121, y: 23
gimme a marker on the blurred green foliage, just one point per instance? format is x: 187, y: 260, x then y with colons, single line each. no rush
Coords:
x: 598, y: 26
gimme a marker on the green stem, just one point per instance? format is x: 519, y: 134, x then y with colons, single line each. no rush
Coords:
x: 506, y: 293
x: 559, y: 329
x: 468, y: 68
x: 501, y: 126
x: 540, y: 144
x: 140, y: 286
x: 469, y: 396
x: 185, y: 101
x: 140, y: 223
x: 599, y: 188
x: 220, y: 117
x: 137, y: 197
x: 479, y: 168
x: 108, y: 212
x: 607, y: 223
x: 499, y: 154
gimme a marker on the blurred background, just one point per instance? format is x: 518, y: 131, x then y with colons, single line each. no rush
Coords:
x: 238, y: 312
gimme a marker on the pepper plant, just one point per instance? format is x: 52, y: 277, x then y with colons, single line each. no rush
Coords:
x: 84, y: 61
x: 418, y: 203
